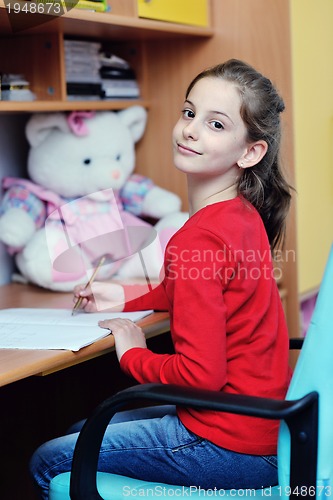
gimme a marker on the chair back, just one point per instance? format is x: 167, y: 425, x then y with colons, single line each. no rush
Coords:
x: 314, y: 372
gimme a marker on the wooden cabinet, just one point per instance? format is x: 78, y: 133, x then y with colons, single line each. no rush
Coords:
x: 195, y: 12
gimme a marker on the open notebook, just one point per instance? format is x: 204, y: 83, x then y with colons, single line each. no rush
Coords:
x: 23, y: 328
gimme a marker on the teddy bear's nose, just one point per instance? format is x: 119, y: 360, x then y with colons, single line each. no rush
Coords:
x: 87, y: 161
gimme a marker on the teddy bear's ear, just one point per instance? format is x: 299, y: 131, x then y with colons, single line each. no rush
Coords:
x: 135, y: 118
x: 41, y: 125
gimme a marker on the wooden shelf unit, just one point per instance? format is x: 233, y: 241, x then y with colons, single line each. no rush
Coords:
x: 39, y: 53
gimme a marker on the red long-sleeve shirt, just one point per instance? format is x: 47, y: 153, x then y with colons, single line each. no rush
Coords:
x: 227, y: 323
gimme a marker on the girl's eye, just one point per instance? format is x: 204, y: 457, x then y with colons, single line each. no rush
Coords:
x: 188, y: 113
x: 217, y: 125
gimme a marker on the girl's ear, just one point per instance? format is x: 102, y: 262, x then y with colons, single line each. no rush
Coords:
x: 253, y: 154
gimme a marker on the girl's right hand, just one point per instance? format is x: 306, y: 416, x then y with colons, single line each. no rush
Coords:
x: 100, y: 296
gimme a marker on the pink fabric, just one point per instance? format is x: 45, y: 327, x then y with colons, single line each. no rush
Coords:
x: 92, y: 229
x: 52, y: 199
x: 80, y: 231
x: 77, y: 124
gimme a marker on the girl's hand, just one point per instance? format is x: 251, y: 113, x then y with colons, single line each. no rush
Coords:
x: 100, y: 296
x: 126, y: 334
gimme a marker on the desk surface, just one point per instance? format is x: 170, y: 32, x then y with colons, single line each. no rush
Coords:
x: 16, y: 364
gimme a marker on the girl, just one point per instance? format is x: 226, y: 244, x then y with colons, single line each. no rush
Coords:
x: 227, y: 322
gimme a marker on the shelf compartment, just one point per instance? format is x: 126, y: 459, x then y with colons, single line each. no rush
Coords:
x: 39, y: 59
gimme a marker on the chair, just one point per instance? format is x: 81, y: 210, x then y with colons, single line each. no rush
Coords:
x: 305, y: 444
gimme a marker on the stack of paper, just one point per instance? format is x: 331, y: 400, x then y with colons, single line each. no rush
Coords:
x: 23, y: 328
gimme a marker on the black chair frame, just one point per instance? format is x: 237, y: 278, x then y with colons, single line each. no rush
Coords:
x: 301, y: 417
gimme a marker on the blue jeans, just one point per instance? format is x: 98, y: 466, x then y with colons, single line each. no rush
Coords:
x: 152, y: 444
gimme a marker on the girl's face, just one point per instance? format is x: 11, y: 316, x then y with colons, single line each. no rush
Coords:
x: 210, y: 136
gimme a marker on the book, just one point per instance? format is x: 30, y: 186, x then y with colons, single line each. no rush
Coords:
x: 79, y: 89
x: 120, y: 89
x: 119, y: 82
x: 96, y: 5
x: 115, y: 73
x: 30, y: 328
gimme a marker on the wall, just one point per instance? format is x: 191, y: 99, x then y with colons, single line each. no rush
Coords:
x: 13, y: 149
x: 312, y: 47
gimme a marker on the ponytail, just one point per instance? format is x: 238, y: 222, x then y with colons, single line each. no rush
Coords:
x: 270, y: 196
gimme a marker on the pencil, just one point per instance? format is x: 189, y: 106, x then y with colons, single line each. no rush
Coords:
x: 93, y: 276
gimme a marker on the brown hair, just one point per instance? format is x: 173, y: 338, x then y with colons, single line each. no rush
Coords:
x: 263, y: 185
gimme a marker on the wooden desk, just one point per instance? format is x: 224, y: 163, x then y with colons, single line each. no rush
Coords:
x: 36, y: 409
x: 17, y: 364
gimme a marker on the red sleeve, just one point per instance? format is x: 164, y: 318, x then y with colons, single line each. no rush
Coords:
x: 143, y: 297
x: 194, y: 288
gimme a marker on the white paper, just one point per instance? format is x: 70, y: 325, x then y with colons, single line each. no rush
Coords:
x: 23, y: 328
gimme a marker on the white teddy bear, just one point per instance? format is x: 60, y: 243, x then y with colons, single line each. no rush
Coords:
x: 82, y: 202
